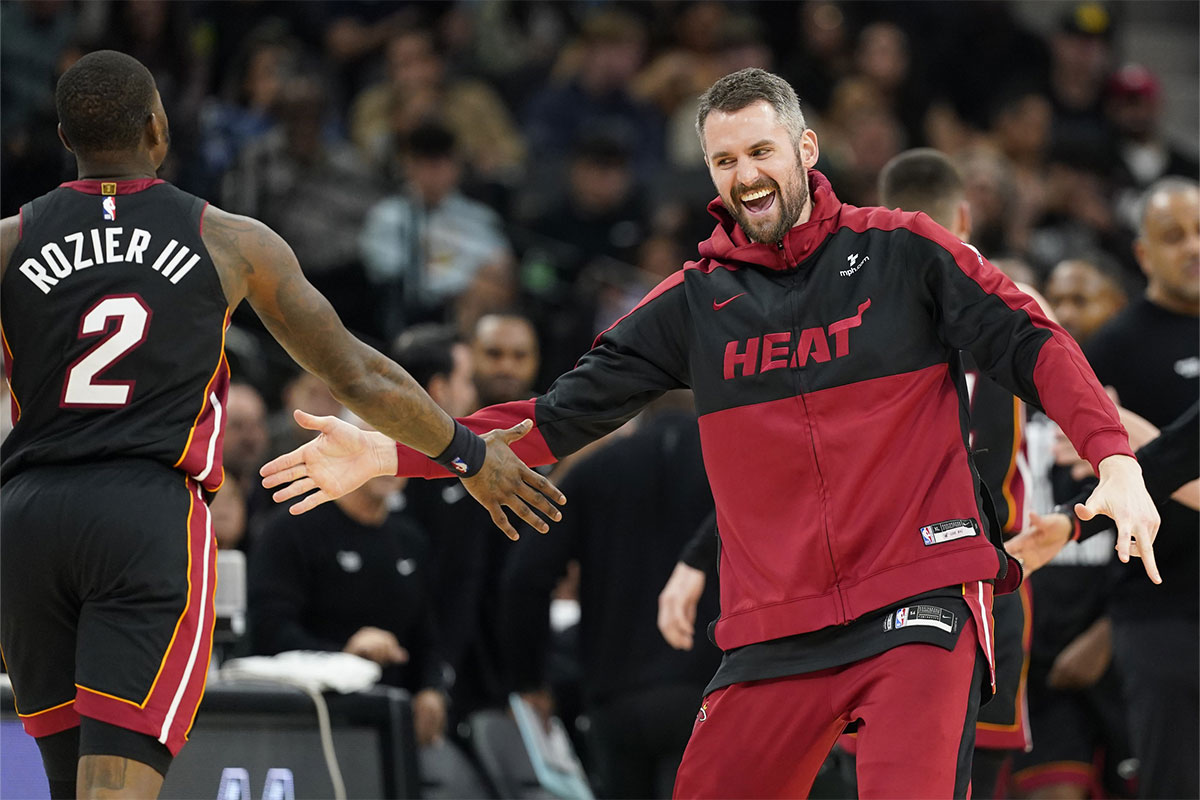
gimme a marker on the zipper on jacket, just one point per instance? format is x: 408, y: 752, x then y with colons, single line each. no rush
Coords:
x: 799, y: 282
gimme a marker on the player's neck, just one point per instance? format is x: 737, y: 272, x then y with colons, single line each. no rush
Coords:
x: 119, y: 167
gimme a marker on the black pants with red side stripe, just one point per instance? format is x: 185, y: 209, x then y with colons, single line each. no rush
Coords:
x: 107, y: 572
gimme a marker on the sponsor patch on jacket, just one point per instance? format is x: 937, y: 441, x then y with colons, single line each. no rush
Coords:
x: 947, y: 531
x: 921, y: 616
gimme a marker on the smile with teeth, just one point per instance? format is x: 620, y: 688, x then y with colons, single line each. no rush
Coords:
x: 748, y: 196
x: 758, y: 200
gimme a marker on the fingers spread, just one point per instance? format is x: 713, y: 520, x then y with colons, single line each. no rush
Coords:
x: 294, y: 490
x: 546, y: 487
x: 309, y: 503
x: 536, y: 499
x: 526, y: 513
x: 285, y: 475
x: 500, y: 520
x: 283, y: 462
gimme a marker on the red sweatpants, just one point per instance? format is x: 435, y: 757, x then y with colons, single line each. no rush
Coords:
x: 917, y: 705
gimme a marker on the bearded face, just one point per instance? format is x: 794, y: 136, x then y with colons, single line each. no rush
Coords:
x: 765, y: 210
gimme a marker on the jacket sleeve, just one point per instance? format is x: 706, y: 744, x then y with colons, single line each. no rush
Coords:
x: 641, y: 356
x: 980, y: 310
x: 702, y: 551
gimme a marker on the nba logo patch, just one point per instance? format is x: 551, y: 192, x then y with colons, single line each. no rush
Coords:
x: 109, y: 204
x: 460, y: 465
x: 902, y: 618
x: 927, y: 534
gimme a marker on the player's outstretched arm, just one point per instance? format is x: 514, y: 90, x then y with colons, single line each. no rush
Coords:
x: 1121, y: 495
x: 256, y: 264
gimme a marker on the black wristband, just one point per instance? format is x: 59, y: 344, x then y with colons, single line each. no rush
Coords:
x: 465, y: 454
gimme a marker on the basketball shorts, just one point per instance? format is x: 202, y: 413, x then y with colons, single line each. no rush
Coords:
x: 107, y: 575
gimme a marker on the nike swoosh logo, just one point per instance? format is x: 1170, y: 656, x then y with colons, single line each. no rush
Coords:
x: 718, y: 306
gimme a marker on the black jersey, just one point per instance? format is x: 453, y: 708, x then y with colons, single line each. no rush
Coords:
x: 114, y: 331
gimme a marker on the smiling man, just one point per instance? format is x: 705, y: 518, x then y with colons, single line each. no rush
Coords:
x: 820, y: 340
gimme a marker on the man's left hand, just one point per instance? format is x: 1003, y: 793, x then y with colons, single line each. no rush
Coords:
x: 1121, y: 495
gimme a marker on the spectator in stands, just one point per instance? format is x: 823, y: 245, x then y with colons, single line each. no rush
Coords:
x: 246, y: 438
x: 431, y: 252
x: 595, y: 98
x: 1134, y: 104
x: 1080, y: 55
x: 635, y: 503
x: 312, y: 189
x: 245, y: 449
x: 303, y: 390
x: 245, y: 107
x: 1077, y: 213
x: 228, y: 510
x: 416, y: 90
x: 1084, y: 295
x: 825, y: 57
x: 353, y: 577
x: 604, y: 212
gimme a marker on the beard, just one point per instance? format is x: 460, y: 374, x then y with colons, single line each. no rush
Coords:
x: 790, y: 201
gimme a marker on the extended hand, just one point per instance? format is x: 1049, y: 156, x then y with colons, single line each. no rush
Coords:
x: 677, y: 604
x: 342, y: 458
x: 504, y: 480
x: 1041, y: 540
x: 1121, y: 495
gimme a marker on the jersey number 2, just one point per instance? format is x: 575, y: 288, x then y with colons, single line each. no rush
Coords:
x: 83, y: 389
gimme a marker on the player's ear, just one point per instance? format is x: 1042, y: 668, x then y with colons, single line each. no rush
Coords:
x: 62, y: 137
x: 156, y: 130
x: 810, y: 150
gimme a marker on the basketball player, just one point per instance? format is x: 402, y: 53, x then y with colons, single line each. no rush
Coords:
x: 114, y: 312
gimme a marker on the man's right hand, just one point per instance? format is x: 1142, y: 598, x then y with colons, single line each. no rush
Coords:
x: 344, y: 457
x: 677, y: 604
x: 504, y: 480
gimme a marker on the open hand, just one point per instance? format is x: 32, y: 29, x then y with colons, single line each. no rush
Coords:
x: 1121, y: 495
x: 341, y: 459
x: 504, y: 480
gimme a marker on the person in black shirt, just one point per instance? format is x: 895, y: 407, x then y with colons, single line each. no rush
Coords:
x: 353, y: 576
x: 1150, y: 354
x: 635, y: 503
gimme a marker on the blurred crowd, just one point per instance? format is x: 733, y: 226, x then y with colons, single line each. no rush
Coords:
x: 481, y: 187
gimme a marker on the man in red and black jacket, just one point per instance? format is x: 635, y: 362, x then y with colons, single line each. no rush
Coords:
x: 820, y: 340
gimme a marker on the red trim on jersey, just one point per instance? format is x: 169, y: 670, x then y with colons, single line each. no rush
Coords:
x: 1013, y: 489
x: 170, y: 706
x: 206, y: 205
x: 53, y: 720
x: 12, y: 395
x: 92, y: 186
x: 1015, y: 735
x: 1055, y: 773
x: 20, y: 222
x: 209, y: 423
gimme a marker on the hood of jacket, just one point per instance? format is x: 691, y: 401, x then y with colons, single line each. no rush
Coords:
x: 729, y: 244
